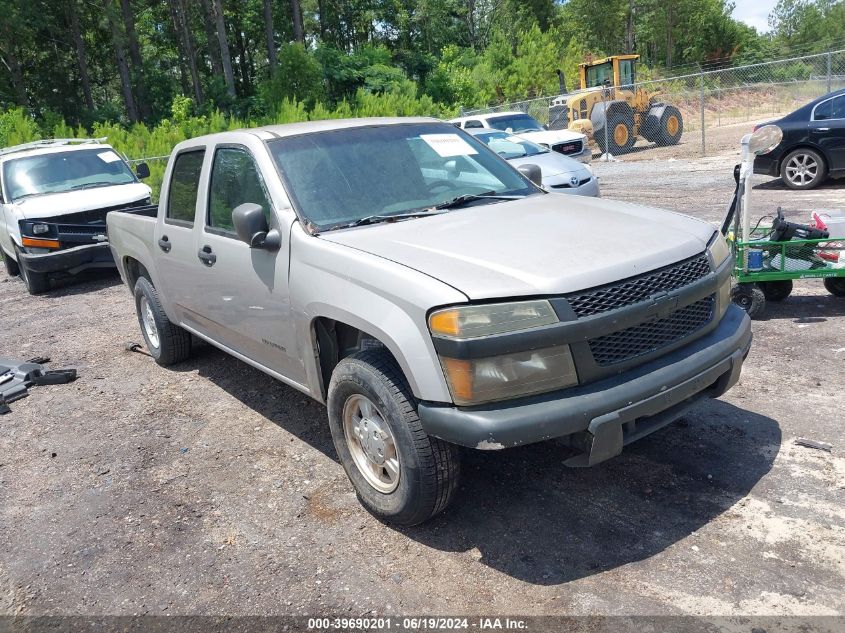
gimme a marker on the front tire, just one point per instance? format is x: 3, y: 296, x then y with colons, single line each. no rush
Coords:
x: 835, y: 286
x: 10, y: 264
x: 750, y: 298
x: 36, y: 283
x: 803, y: 169
x: 399, y: 473
x: 166, y: 342
x: 620, y: 135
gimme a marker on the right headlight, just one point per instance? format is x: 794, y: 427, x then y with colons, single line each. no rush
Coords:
x: 719, y: 252
x: 481, y: 380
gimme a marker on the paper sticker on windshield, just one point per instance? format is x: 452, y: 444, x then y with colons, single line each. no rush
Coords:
x: 108, y: 157
x: 448, y: 145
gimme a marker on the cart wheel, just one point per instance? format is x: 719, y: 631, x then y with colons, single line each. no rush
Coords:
x: 750, y: 298
x: 835, y: 286
x: 776, y: 290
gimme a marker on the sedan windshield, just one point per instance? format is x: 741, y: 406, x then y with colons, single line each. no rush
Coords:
x: 508, y: 146
x: 341, y: 177
x: 515, y: 123
x: 64, y: 171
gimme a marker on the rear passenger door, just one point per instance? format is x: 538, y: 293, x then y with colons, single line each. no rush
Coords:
x: 174, y: 239
x: 244, y: 299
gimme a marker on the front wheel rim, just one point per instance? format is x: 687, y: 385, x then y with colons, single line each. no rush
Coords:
x: 149, y: 322
x: 802, y: 169
x: 371, y: 443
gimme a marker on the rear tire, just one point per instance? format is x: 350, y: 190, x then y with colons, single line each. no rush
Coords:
x: 750, y: 298
x: 166, y: 342
x: 802, y: 169
x: 10, y: 264
x: 671, y: 127
x: 36, y: 283
x: 835, y: 286
x: 776, y: 290
x: 400, y: 474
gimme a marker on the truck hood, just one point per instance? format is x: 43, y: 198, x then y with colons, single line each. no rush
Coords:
x: 55, y: 204
x: 540, y: 245
x: 552, y: 137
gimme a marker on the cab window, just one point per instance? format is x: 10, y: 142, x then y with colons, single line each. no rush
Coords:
x: 184, y: 187
x: 234, y: 181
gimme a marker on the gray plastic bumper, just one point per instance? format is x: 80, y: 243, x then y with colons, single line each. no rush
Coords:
x: 72, y: 260
x: 614, y: 411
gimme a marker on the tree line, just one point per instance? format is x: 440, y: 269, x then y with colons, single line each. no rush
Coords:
x: 93, y: 61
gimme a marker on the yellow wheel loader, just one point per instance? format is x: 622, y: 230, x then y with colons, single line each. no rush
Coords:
x: 609, y: 98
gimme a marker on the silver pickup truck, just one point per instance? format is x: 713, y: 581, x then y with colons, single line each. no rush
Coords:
x: 431, y: 295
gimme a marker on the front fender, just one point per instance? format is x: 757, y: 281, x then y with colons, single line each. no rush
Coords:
x: 386, y: 300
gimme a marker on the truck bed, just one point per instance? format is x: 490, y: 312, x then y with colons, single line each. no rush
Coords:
x: 131, y: 234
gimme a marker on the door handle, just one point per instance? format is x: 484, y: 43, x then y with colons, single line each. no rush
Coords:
x: 164, y: 244
x: 206, y: 256
x: 822, y: 129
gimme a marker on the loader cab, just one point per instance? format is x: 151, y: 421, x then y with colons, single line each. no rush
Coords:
x: 619, y: 71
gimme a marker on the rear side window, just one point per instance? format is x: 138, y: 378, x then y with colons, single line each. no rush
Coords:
x: 473, y: 125
x: 234, y: 181
x: 184, y: 187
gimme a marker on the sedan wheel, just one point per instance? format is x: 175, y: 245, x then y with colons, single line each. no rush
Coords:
x: 803, y: 169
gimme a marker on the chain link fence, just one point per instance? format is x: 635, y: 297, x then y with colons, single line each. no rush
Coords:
x: 711, y: 99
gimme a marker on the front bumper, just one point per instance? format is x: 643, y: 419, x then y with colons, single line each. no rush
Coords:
x: 585, y: 155
x: 611, y: 412
x: 70, y: 260
x: 766, y: 165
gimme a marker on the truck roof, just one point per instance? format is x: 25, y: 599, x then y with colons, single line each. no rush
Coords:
x: 269, y: 132
x: 47, y: 147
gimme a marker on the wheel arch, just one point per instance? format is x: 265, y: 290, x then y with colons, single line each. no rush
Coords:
x: 335, y: 334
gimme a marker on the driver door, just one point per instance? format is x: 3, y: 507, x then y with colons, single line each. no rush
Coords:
x: 243, y: 296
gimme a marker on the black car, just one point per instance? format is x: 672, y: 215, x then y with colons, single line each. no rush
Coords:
x: 813, y: 145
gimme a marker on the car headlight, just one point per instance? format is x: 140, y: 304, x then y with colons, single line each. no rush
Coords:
x: 480, y: 380
x: 718, y: 249
x: 466, y: 322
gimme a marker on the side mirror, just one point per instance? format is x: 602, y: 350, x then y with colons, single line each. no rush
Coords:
x: 251, y: 227
x: 532, y: 172
x: 142, y: 170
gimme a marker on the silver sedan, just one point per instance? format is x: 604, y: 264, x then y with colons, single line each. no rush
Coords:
x: 561, y: 174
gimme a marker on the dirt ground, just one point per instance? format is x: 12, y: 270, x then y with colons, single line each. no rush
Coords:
x: 209, y: 488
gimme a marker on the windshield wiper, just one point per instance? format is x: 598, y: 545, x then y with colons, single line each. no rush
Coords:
x: 469, y: 197
x: 92, y: 185
x: 375, y: 219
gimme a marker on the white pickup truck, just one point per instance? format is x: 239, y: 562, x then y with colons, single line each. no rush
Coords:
x: 54, y: 198
x: 431, y: 295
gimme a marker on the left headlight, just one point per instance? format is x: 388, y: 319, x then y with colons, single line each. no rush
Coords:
x: 488, y: 379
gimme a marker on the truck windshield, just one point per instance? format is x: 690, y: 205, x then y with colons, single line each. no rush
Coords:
x: 340, y: 176
x: 64, y: 171
x: 515, y: 123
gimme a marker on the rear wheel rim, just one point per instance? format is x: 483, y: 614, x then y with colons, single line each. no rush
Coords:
x: 672, y: 125
x: 371, y: 443
x: 149, y: 322
x: 802, y: 169
x: 620, y: 134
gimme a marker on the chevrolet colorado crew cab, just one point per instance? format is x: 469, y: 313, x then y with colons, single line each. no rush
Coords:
x: 431, y: 295
x: 54, y: 198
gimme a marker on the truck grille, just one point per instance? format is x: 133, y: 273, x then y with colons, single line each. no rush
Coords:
x: 639, y: 288
x: 571, y: 147
x: 652, y: 335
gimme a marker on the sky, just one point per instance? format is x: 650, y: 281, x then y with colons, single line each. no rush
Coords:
x: 754, y: 13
